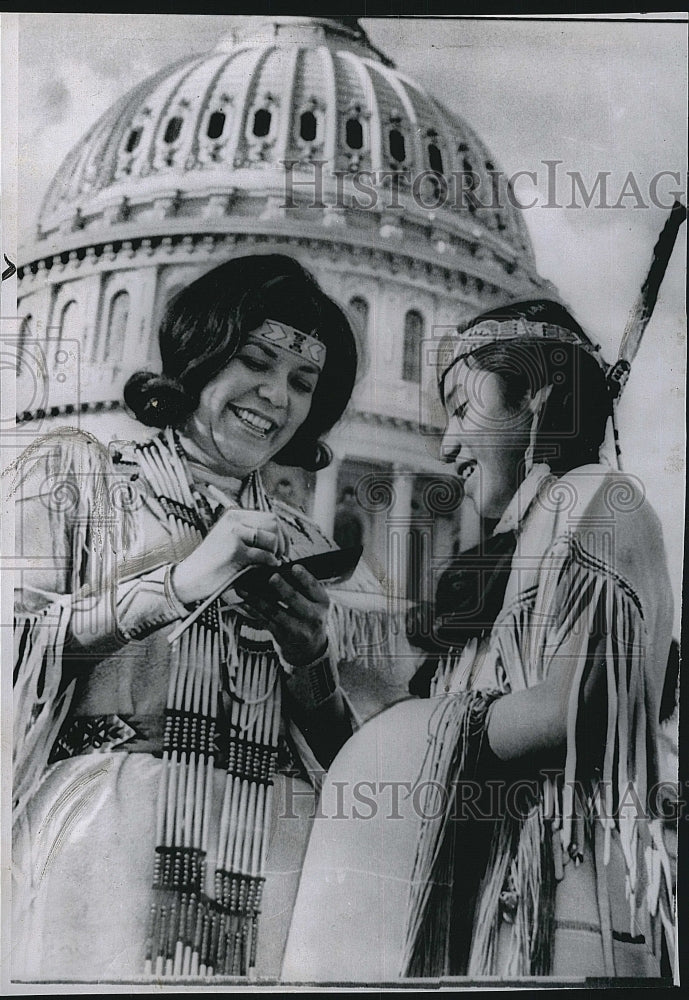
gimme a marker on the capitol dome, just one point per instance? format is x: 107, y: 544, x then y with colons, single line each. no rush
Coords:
x: 292, y: 122
x: 295, y: 137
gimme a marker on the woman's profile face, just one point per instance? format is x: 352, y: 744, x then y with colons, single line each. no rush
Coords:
x: 253, y: 406
x: 484, y: 439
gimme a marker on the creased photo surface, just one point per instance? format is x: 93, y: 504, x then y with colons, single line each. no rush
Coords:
x: 343, y: 462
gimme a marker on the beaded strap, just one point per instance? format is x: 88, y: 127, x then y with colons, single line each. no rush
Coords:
x: 312, y: 683
x: 202, y: 922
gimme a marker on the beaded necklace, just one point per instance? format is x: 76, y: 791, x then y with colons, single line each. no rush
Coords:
x: 207, y: 890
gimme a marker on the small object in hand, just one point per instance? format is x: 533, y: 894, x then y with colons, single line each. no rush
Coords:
x: 330, y: 567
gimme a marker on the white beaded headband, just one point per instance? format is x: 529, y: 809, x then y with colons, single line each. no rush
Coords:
x: 492, y: 331
x: 304, y: 345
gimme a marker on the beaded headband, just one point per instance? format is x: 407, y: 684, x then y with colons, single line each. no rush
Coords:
x: 492, y: 331
x: 304, y: 345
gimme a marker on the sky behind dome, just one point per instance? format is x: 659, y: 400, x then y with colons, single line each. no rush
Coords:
x: 598, y: 96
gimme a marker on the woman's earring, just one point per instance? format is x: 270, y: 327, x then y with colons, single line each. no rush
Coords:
x: 537, y: 406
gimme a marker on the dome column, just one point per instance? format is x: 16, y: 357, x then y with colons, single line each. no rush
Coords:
x: 142, y: 338
x: 399, y: 522
x: 37, y: 302
x: 325, y: 497
x: 87, y: 293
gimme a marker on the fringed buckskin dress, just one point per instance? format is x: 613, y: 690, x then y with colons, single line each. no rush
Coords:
x: 163, y: 792
x: 571, y: 881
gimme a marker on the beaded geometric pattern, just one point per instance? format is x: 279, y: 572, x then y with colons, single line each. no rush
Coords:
x: 302, y: 344
x: 205, y: 922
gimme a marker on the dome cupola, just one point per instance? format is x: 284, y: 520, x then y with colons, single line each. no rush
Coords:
x: 300, y: 122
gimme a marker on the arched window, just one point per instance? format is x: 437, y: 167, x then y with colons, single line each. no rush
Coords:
x: 262, y: 120
x: 413, y: 335
x: 172, y: 130
x: 308, y: 126
x: 359, y: 307
x: 24, y: 334
x: 469, y: 183
x: 118, y: 314
x: 134, y: 139
x: 216, y: 125
x: 435, y: 158
x: 69, y: 317
x: 398, y: 149
x: 354, y: 134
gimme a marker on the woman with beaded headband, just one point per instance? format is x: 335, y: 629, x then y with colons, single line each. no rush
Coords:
x: 169, y: 738
x: 512, y: 811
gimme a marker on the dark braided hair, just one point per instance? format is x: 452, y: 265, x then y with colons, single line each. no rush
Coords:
x: 574, y: 417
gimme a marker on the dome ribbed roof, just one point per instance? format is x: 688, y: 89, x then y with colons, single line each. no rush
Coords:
x: 307, y: 91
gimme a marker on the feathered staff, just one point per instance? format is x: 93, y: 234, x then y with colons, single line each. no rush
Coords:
x: 643, y: 307
x: 437, y: 942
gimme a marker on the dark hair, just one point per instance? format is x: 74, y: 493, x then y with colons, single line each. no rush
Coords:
x: 574, y: 417
x: 571, y: 430
x: 208, y: 321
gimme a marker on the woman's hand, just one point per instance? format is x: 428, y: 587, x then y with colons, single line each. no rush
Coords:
x: 294, y: 610
x: 240, y: 538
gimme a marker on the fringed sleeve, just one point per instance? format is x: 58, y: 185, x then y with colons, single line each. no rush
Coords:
x: 63, y: 491
x: 590, y: 622
x: 41, y: 702
x: 583, y: 630
x: 368, y: 626
x: 369, y: 638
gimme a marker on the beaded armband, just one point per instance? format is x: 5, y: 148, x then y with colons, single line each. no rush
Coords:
x: 311, y: 684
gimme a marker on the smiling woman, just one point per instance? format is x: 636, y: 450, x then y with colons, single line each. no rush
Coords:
x: 511, y: 404
x: 246, y: 316
x: 154, y: 768
x: 528, y: 839
x: 256, y: 403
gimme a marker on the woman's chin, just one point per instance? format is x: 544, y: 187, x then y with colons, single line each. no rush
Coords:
x: 238, y: 454
x: 233, y: 465
x: 472, y: 491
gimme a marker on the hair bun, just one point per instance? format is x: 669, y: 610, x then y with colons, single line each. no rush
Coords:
x: 157, y: 400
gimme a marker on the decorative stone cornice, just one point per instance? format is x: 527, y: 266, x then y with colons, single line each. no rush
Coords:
x: 69, y: 410
x: 463, y: 275
x: 109, y: 405
x: 388, y: 420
